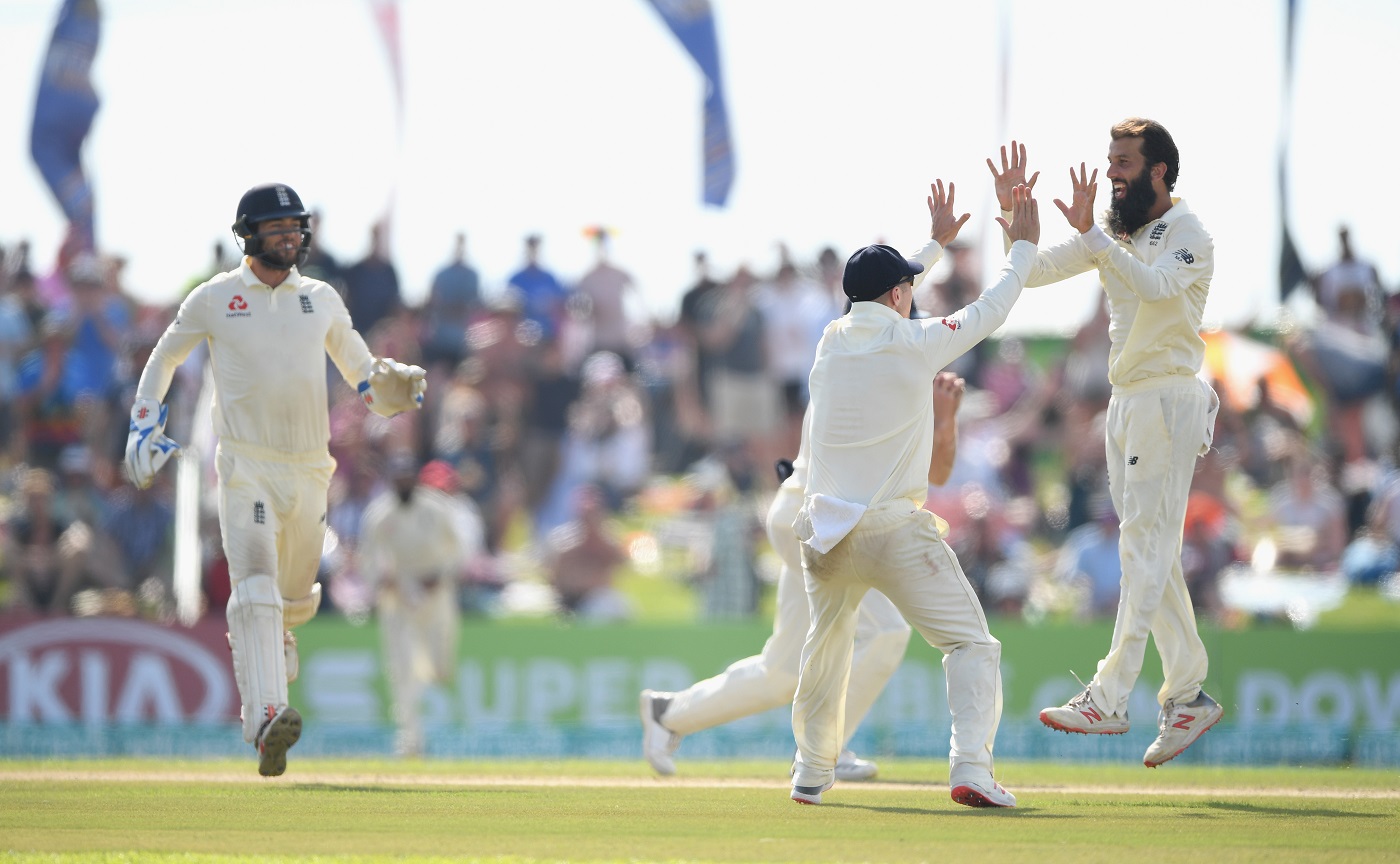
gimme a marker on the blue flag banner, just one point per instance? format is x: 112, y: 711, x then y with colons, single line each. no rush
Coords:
x: 693, y: 23
x: 63, y: 112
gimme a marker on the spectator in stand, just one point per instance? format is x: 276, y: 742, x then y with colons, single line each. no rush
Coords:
x: 695, y: 394
x: 465, y: 440
x: 794, y: 315
x: 1306, y: 520
x: 100, y: 319
x: 49, y: 559
x: 610, y: 304
x: 1089, y: 559
x: 583, y: 559
x: 745, y: 406
x: 320, y: 264
x: 553, y: 393
x: 16, y: 340
x: 453, y: 302
x: 49, y: 417
x: 372, y: 285
x: 608, y: 444
x: 542, y: 297
x: 1374, y: 553
x: 141, y: 525
x: 1345, y: 350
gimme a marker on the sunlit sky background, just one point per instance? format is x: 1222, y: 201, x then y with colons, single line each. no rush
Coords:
x: 551, y: 115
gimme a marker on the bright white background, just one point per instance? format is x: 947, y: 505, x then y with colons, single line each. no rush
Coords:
x: 551, y: 115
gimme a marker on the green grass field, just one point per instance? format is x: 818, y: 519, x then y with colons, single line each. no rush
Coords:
x: 383, y: 810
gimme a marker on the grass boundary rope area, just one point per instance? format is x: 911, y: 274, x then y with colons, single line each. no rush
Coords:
x: 512, y: 811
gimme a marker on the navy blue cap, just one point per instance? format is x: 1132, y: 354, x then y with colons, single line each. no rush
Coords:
x: 874, y: 270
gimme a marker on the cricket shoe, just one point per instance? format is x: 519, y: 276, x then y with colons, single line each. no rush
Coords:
x: 289, y: 650
x: 810, y: 794
x: 850, y: 768
x: 970, y: 793
x: 658, y: 742
x: 279, y: 732
x: 1180, y: 726
x: 1086, y: 716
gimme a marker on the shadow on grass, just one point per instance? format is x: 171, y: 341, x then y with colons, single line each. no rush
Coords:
x: 1000, y: 812
x: 414, y: 790
x: 1265, y: 810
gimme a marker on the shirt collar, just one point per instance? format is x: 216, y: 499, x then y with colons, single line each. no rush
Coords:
x: 869, y: 310
x: 251, y: 280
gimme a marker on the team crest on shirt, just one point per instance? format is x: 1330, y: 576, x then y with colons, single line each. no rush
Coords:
x: 1157, y: 231
x: 1184, y: 256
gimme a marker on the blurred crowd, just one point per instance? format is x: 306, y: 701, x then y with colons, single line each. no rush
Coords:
x: 590, y: 441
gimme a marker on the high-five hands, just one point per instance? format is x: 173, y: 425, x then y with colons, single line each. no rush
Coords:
x: 1025, y: 216
x: 944, y: 226
x: 1012, y: 174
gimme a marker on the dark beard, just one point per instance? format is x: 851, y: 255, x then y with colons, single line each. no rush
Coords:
x: 405, y: 495
x: 1129, y: 213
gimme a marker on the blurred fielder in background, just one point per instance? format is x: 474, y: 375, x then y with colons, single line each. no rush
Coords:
x: 415, y: 543
x: 1155, y: 261
x: 269, y: 330
x: 769, y: 679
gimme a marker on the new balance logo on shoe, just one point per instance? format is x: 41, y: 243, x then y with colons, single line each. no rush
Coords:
x: 1185, y: 721
x: 1085, y: 716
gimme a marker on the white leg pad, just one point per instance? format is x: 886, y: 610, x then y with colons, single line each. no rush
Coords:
x: 299, y: 611
x: 255, y: 640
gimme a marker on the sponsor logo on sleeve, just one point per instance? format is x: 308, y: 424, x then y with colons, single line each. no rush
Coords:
x: 1184, y: 256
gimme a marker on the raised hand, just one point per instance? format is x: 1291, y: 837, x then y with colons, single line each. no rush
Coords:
x: 1025, y: 217
x: 1080, y: 212
x: 944, y: 226
x: 1012, y: 174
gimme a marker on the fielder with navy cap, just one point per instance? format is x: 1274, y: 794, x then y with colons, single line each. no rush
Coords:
x: 862, y: 524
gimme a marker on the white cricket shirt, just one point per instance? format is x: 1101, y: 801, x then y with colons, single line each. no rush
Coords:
x: 267, y: 349
x: 871, y: 435
x: 1156, y: 280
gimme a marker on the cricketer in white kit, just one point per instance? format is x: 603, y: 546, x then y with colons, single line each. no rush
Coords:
x: 1155, y: 263
x: 269, y: 330
x: 862, y: 523
x: 415, y: 542
x: 768, y: 679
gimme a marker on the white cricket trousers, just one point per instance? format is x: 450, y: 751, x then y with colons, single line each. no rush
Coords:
x: 420, y: 647
x: 272, y: 514
x: 769, y: 679
x: 895, y: 549
x: 1154, y: 432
